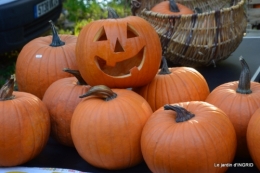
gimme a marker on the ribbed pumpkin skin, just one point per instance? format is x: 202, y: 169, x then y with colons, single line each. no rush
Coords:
x: 191, y: 146
x: 61, y: 99
x: 34, y: 75
x: 25, y: 129
x: 182, y: 84
x: 107, y: 134
x: 164, y: 8
x: 118, y: 69
x: 253, y: 138
x: 238, y: 107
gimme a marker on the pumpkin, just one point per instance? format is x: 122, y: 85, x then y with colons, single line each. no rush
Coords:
x: 61, y: 98
x: 25, y: 126
x: 40, y: 62
x: 106, y: 127
x: 253, y: 137
x: 172, y: 85
x: 188, y: 137
x: 239, y: 100
x: 172, y: 8
x: 122, y: 52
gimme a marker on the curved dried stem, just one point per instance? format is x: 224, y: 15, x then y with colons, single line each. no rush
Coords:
x: 76, y: 74
x: 6, y: 91
x: 56, y: 41
x: 244, y: 80
x: 100, y: 91
x: 181, y: 113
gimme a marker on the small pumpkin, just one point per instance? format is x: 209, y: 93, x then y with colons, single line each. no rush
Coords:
x: 61, y: 99
x: 25, y: 126
x: 173, y: 85
x: 40, y: 62
x: 239, y: 100
x: 122, y: 52
x: 106, y: 127
x: 253, y: 137
x: 188, y: 137
x: 172, y: 8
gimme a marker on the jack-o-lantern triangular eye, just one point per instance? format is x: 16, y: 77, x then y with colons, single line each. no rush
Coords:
x: 131, y: 32
x: 118, y: 47
x: 101, y: 35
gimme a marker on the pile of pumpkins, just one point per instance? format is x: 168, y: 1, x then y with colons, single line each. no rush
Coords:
x: 110, y: 94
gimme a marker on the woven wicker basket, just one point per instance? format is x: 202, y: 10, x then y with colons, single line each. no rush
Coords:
x: 198, y: 39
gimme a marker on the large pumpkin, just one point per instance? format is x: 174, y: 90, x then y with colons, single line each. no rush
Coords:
x: 173, y: 85
x: 41, y: 61
x: 25, y: 126
x: 61, y: 99
x: 253, y: 137
x: 172, y: 8
x: 239, y: 100
x: 188, y: 137
x: 118, y: 53
x: 106, y: 127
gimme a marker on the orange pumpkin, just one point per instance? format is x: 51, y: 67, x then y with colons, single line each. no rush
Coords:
x: 61, y: 99
x: 122, y: 52
x: 106, y: 127
x: 173, y: 85
x: 239, y: 100
x: 172, y: 8
x: 40, y: 62
x: 253, y: 137
x: 188, y: 137
x: 25, y: 126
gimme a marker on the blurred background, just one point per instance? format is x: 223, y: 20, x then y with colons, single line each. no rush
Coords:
x: 74, y: 15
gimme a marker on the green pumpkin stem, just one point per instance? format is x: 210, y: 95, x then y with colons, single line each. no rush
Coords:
x: 112, y: 13
x: 173, y: 6
x: 56, y: 41
x: 6, y: 91
x: 164, y: 68
x: 181, y: 113
x: 76, y: 74
x: 100, y: 91
x: 244, y: 80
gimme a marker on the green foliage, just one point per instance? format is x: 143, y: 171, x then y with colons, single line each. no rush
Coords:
x: 93, y: 10
x: 79, y: 25
x: 81, y: 9
x: 121, y: 7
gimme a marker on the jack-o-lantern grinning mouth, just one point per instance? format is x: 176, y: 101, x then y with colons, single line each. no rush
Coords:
x: 124, y: 67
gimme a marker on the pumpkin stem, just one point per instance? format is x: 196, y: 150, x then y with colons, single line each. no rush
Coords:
x: 173, y: 6
x: 6, y: 92
x: 56, y: 42
x: 181, y: 113
x: 100, y: 91
x: 112, y: 13
x: 164, y: 69
x: 76, y: 74
x: 135, y: 5
x: 244, y: 80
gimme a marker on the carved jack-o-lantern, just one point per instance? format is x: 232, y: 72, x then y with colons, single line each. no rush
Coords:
x: 118, y: 53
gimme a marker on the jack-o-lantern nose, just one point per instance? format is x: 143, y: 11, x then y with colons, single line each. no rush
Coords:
x: 118, y: 47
